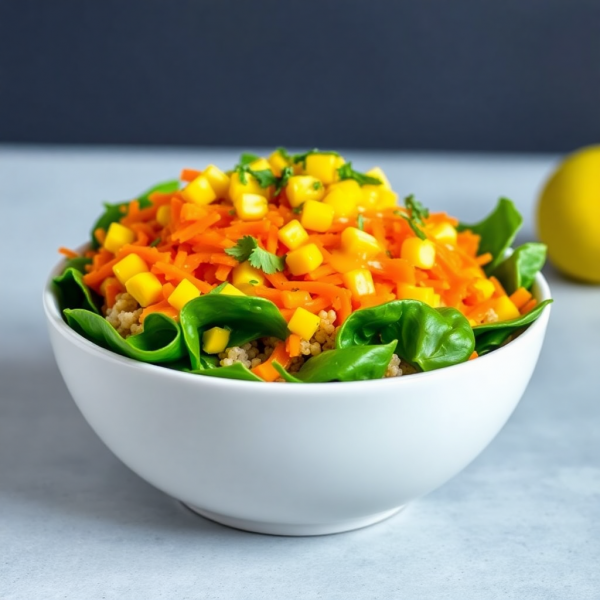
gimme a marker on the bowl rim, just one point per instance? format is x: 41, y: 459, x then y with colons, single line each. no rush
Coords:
x: 55, y: 319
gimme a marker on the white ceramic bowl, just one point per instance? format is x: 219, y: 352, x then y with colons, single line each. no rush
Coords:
x: 294, y: 459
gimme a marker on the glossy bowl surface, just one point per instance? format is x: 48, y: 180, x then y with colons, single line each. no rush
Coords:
x: 294, y: 459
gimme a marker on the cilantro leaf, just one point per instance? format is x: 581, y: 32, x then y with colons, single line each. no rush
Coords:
x: 298, y: 209
x: 286, y: 173
x: 265, y: 177
x: 247, y: 249
x: 347, y: 172
x: 360, y: 222
x: 284, y: 153
x: 155, y: 242
x: 417, y: 211
x: 301, y: 158
x: 416, y: 215
x: 247, y: 157
x: 317, y: 185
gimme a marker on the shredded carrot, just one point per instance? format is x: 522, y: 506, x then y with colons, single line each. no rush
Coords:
x: 266, y: 370
x: 293, y: 345
x: 162, y: 307
x: 484, y: 259
x: 111, y: 290
x: 500, y: 291
x: 67, y: 252
x: 529, y: 306
x: 222, y: 272
x: 521, y: 297
x: 189, y: 174
x: 474, y: 355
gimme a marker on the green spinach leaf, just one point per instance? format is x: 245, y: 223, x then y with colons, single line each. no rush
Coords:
x: 521, y: 267
x: 497, y: 231
x: 72, y: 292
x: 160, y: 342
x: 247, y: 317
x: 115, y: 212
x: 490, y: 336
x: 78, y: 263
x: 427, y: 338
x: 235, y: 371
x: 354, y: 363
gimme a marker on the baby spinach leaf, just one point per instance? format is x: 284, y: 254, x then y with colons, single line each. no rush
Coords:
x: 78, y: 263
x: 72, y: 292
x: 354, y: 363
x: 247, y: 317
x: 497, y: 231
x: 115, y: 212
x: 160, y: 342
x: 490, y: 336
x: 235, y: 371
x: 428, y: 338
x: 521, y: 267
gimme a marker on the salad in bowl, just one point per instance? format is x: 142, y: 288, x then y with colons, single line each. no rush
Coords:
x: 300, y: 269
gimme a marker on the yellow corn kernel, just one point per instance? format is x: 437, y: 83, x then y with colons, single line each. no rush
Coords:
x: 343, y: 205
x: 131, y: 265
x: 260, y: 164
x: 304, y: 260
x: 316, y: 216
x: 505, y: 308
x: 419, y: 253
x: 145, y: 288
x: 163, y: 215
x: 182, y: 294
x: 230, y: 290
x: 245, y: 273
x: 218, y: 180
x: 251, y: 207
x: 237, y: 188
x: 215, y: 340
x: 301, y: 188
x: 359, y: 282
x: 427, y: 295
x: 378, y: 172
x: 277, y: 162
x: 199, y: 191
x: 304, y: 323
x: 293, y: 235
x: 359, y: 243
x: 444, y: 233
x: 484, y: 288
x: 117, y: 236
x: 324, y: 167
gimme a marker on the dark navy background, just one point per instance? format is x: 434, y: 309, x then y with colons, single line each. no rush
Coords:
x: 417, y: 74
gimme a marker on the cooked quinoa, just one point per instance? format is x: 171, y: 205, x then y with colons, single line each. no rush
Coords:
x: 124, y: 316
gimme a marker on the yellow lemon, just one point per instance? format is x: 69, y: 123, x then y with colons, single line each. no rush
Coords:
x: 569, y: 215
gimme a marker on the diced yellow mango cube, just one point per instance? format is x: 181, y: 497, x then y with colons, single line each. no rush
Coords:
x: 301, y: 188
x: 304, y: 323
x: 379, y: 174
x: 359, y: 243
x: 245, y: 273
x: 427, y: 295
x: 163, y: 215
x: 350, y: 187
x: 505, y: 308
x: 316, y: 216
x: 237, y: 188
x: 182, y: 294
x: 386, y: 199
x: 304, y: 260
x: 483, y: 288
x: 444, y: 233
x: 260, y: 164
x: 420, y: 253
x: 117, y: 236
x: 215, y: 340
x: 277, y: 162
x: 251, y: 207
x: 293, y: 235
x: 126, y: 268
x: 359, y: 282
x: 324, y: 167
x: 199, y: 191
x: 145, y: 288
x: 230, y: 290
x: 218, y: 180
x: 343, y: 205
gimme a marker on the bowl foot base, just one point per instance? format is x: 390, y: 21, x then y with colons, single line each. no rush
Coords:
x: 294, y: 530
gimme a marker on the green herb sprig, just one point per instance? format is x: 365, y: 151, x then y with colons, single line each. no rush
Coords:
x: 247, y: 249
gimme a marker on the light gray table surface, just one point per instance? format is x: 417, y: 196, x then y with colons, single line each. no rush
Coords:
x: 522, y: 521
